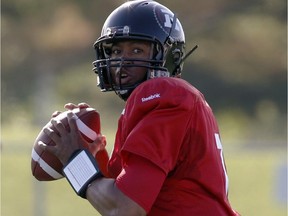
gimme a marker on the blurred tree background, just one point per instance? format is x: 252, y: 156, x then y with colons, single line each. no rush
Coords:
x: 240, y: 66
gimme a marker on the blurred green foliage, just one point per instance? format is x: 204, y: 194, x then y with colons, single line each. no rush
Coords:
x: 240, y: 66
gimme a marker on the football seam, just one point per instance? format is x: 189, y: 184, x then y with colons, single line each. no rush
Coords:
x: 48, y: 169
x: 84, y: 129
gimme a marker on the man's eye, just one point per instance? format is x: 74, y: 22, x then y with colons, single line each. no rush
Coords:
x: 137, y: 51
x: 116, y: 51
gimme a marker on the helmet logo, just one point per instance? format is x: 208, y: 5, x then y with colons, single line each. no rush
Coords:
x: 168, y: 20
x: 164, y: 18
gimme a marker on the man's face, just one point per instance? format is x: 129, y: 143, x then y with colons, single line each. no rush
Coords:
x: 139, y: 50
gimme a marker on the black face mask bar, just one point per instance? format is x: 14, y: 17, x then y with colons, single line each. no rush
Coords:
x: 103, y: 68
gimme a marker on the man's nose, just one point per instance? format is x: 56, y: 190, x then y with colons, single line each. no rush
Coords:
x: 126, y: 56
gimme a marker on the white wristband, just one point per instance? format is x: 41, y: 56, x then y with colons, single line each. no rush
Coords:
x: 81, y: 171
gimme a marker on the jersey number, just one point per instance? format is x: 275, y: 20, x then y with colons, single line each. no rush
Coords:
x: 219, y: 146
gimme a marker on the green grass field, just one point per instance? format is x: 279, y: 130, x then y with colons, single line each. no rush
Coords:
x: 252, y: 175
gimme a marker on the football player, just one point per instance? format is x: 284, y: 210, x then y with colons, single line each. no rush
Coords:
x: 167, y: 158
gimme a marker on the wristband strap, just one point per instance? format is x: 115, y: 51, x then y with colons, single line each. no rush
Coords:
x: 81, y: 170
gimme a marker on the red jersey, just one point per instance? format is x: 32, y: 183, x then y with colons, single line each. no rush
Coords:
x: 168, y: 155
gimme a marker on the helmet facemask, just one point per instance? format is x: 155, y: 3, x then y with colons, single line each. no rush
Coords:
x: 106, y: 66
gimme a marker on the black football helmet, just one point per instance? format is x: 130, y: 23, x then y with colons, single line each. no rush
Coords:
x: 143, y: 20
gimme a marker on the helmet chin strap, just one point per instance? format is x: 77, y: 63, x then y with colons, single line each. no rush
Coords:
x: 157, y: 73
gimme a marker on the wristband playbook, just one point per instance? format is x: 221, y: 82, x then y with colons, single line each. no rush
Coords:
x: 81, y: 170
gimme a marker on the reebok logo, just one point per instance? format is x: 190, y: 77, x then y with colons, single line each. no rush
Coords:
x: 151, y: 97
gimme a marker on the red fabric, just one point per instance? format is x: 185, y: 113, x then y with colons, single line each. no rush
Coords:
x: 169, y: 124
x: 141, y: 180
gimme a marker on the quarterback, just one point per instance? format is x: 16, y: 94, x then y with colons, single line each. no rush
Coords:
x: 167, y: 158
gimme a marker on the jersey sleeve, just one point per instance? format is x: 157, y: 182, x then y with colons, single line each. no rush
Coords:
x: 141, y: 181
x: 156, y: 123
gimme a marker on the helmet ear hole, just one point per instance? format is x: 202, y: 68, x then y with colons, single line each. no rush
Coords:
x: 174, y: 60
x: 177, y: 55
